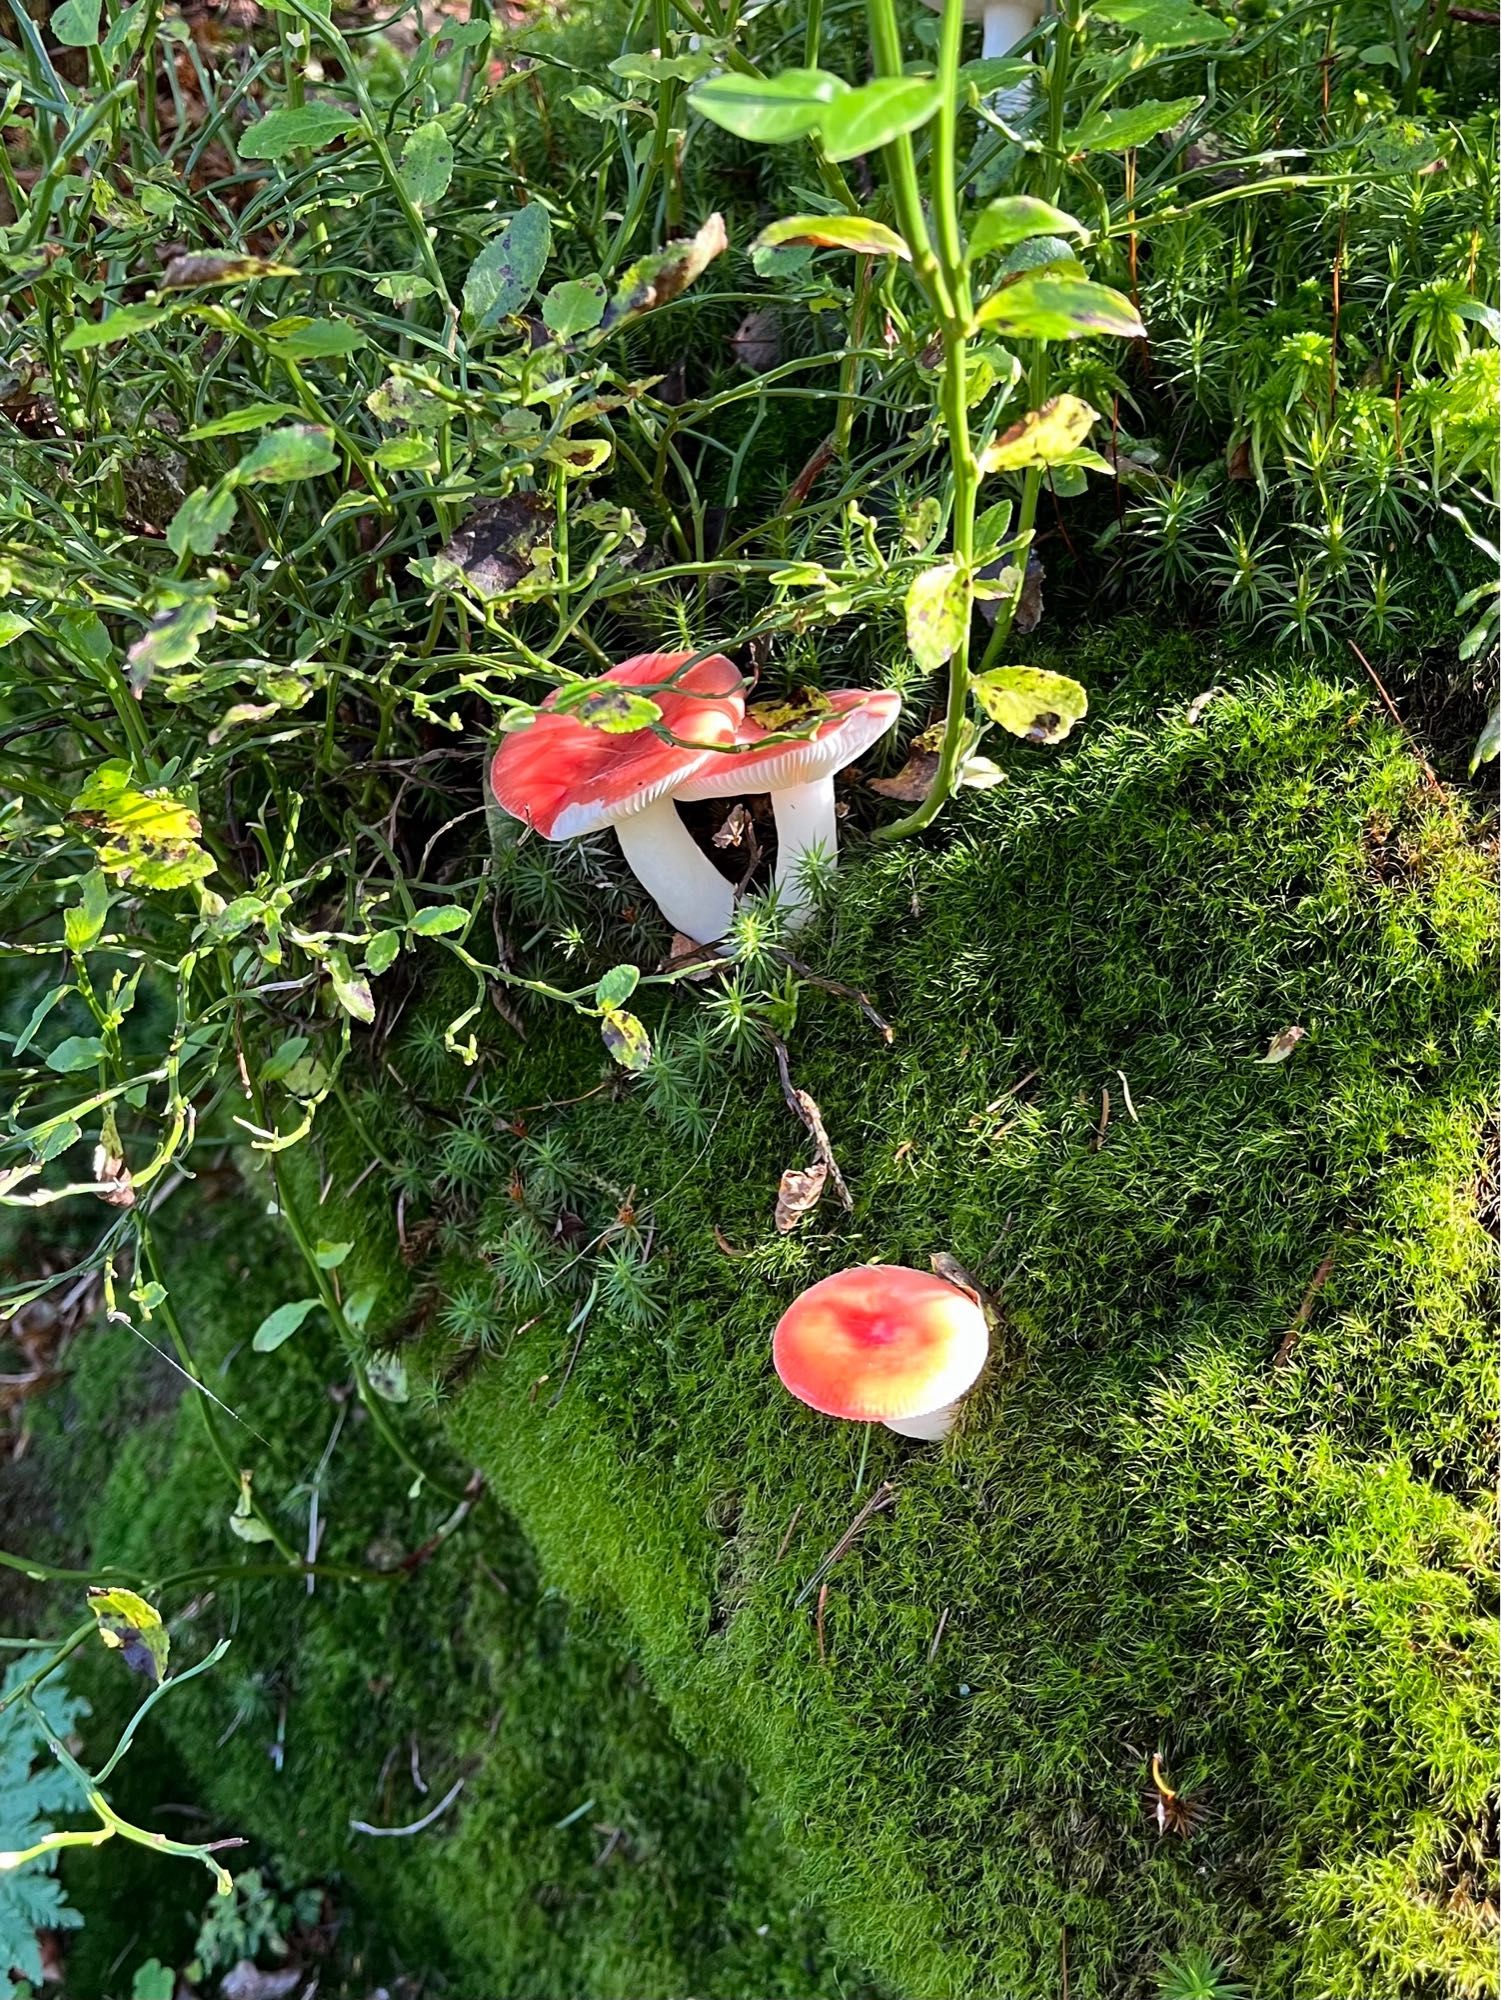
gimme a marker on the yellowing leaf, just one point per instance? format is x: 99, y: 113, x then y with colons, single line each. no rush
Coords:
x: 1030, y: 702
x: 626, y: 1039
x: 937, y: 614
x: 132, y: 1628
x: 834, y: 232
x: 150, y: 835
x: 1043, y: 437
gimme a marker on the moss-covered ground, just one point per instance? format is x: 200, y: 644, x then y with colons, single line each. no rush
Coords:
x: 1217, y: 1498
x: 588, y: 1852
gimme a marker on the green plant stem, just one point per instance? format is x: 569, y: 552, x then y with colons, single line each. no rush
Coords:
x: 951, y: 298
x: 71, y: 1644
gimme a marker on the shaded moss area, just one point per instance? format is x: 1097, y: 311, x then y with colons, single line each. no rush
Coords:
x: 587, y: 1854
x: 1202, y: 1505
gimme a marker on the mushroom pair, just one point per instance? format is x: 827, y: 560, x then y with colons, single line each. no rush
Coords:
x: 883, y: 1344
x: 565, y: 777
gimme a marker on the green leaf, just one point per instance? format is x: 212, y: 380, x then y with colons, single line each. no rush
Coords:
x: 1119, y: 131
x: 1016, y: 217
x: 1048, y: 308
x: 253, y: 417
x: 171, y: 640
x: 281, y: 1325
x: 440, y: 921
x: 1030, y: 702
x: 301, y: 451
x: 351, y: 989
x: 1163, y: 24
x: 617, y: 986
x: 626, y: 1039
x: 863, y: 120
x: 76, y: 1053
x: 655, y: 69
x: 380, y: 953
x: 426, y: 165
x: 202, y: 518
x: 244, y: 1523
x: 39, y: 1013
x: 281, y: 1059
x: 413, y: 453
x: 387, y: 1376
x: 1488, y: 744
x: 317, y: 340
x: 771, y: 110
x: 834, y: 232
x: 153, y: 1981
x: 292, y: 127
x: 577, y: 305
x: 657, y: 279
x: 118, y: 325
x: 607, y: 705
x: 12, y: 626
x: 75, y: 25
x: 506, y: 272
x: 329, y: 1256
x: 83, y: 924
x: 937, y: 610
x: 402, y: 287
x: 131, y: 1627
x: 1043, y: 437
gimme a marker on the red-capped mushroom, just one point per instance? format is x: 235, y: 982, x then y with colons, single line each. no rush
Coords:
x: 800, y: 779
x: 564, y: 778
x: 883, y: 1344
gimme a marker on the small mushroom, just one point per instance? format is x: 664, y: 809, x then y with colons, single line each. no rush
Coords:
x: 1006, y: 22
x: 799, y: 777
x: 883, y: 1344
x: 564, y: 778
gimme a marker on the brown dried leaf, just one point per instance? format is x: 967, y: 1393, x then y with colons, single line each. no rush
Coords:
x: 799, y: 1193
x: 953, y: 1273
x: 736, y: 826
x: 912, y: 783
x: 493, y: 547
x: 1199, y: 703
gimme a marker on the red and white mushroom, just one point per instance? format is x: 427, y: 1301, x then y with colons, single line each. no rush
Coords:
x: 800, y: 779
x: 564, y: 778
x: 883, y: 1344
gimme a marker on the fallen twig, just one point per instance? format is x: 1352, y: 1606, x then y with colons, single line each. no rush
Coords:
x: 1392, y: 710
x: 1290, y: 1339
x: 882, y: 1498
x: 417, y: 1825
x: 837, y: 987
x: 1104, y: 1125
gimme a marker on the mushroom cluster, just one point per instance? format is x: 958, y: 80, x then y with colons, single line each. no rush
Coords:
x: 883, y: 1344
x: 563, y: 777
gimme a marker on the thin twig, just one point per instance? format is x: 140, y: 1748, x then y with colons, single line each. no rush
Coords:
x: 823, y: 1598
x: 784, y: 1544
x: 943, y: 1619
x: 837, y: 987
x: 1290, y: 1339
x: 1126, y: 1095
x: 1104, y: 1125
x: 1392, y: 710
x: 882, y: 1498
x: 417, y: 1825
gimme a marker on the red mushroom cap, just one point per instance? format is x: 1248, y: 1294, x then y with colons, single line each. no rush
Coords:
x: 565, y: 778
x: 880, y: 1341
x: 855, y: 718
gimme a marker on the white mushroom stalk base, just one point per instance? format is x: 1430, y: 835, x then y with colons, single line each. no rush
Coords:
x: 806, y: 824
x: 683, y: 883
x: 930, y: 1426
x: 1005, y: 25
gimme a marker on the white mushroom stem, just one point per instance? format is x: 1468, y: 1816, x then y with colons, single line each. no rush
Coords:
x: 683, y: 883
x: 1006, y: 23
x: 931, y: 1425
x: 806, y: 824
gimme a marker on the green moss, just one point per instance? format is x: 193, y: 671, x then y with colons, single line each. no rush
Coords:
x: 1148, y: 1534
x: 670, y: 1879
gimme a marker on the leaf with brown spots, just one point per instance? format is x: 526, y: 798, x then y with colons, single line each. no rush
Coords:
x: 799, y: 1194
